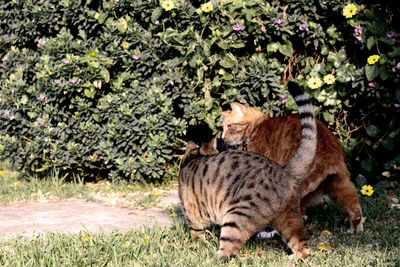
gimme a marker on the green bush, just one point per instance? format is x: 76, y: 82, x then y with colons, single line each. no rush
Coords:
x: 111, y: 87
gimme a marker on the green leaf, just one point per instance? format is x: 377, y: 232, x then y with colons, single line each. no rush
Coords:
x: 228, y: 61
x: 156, y: 14
x: 96, y: 117
x: 371, y: 71
x: 90, y: 92
x: 383, y: 73
x: 386, y: 40
x: 372, y: 130
x: 286, y: 50
x: 366, y: 164
x: 105, y: 74
x: 361, y: 181
x: 102, y: 17
x: 371, y: 42
x: 223, y: 45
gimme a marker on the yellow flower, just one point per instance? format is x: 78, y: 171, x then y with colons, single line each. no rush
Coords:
x: 349, y: 10
x: 125, y: 44
x: 367, y: 190
x: 373, y: 59
x: 207, y: 7
x: 126, y: 244
x: 314, y: 82
x: 167, y: 5
x: 155, y: 193
x: 85, y: 237
x: 329, y: 79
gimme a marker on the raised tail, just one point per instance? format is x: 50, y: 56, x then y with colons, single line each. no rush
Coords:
x: 299, y: 163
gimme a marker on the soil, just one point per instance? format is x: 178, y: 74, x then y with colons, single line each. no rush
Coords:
x: 73, y: 216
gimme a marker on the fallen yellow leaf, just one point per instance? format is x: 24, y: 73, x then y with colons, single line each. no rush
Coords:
x: 325, y: 233
x: 324, y: 246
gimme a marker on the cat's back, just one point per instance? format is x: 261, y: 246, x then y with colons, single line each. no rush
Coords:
x: 279, y: 138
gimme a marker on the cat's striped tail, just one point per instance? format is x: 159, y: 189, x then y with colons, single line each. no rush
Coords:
x: 298, y: 164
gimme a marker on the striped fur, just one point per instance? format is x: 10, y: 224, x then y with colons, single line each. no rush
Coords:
x: 243, y: 191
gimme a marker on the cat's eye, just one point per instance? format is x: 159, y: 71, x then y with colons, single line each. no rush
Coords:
x: 229, y: 125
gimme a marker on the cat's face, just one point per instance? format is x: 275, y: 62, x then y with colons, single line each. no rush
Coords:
x: 238, y: 123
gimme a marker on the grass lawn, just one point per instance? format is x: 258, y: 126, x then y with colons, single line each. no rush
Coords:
x: 326, y: 225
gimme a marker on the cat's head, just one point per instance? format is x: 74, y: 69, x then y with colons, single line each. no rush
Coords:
x: 240, y: 122
x: 209, y: 148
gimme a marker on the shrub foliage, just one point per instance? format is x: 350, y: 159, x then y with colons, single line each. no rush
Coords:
x: 110, y: 87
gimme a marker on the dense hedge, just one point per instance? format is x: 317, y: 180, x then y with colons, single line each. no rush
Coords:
x: 111, y: 87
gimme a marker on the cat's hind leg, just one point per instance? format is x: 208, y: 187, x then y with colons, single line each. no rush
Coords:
x: 290, y: 224
x: 234, y: 233
x: 343, y: 192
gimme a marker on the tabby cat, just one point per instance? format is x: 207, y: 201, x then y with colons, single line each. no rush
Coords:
x: 243, y: 191
x: 279, y: 138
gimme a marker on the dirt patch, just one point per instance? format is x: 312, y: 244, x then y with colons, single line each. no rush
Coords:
x: 73, y: 216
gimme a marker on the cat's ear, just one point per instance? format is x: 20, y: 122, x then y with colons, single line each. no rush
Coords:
x: 190, y: 145
x: 213, y: 144
x: 238, y: 108
x: 210, y: 148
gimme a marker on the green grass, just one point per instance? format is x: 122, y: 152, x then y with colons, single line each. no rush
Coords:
x: 173, y: 247
x: 379, y: 245
x: 15, y: 187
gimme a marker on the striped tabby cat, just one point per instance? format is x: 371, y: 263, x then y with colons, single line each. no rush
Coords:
x: 243, y: 192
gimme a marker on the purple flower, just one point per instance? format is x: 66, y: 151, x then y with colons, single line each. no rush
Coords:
x: 156, y: 22
x: 357, y: 30
x: 359, y: 38
x: 116, y: 1
x: 73, y: 80
x: 283, y: 98
x: 7, y: 113
x: 23, y: 51
x: 398, y: 65
x: 12, y: 117
x: 77, y: 57
x: 65, y: 61
x: 42, y: 96
x: 237, y: 27
x: 40, y: 121
x: 278, y: 21
x: 5, y: 58
x: 348, y: 79
x: 136, y: 57
x: 23, y: 101
x: 396, y: 105
x: 393, y: 69
x: 56, y: 81
x: 303, y: 27
x: 371, y: 84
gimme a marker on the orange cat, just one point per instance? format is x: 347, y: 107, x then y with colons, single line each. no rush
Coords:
x: 279, y: 138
